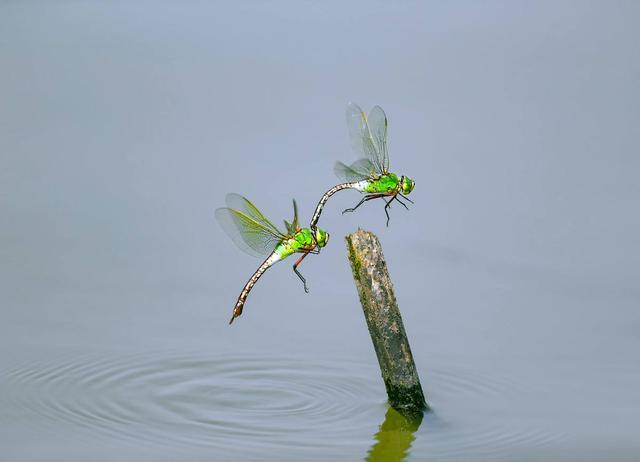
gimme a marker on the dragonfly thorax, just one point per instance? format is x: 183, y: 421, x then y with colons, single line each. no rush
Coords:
x: 388, y: 184
x: 303, y: 240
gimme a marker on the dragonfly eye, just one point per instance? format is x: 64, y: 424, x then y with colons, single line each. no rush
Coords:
x: 407, y: 185
x: 322, y: 237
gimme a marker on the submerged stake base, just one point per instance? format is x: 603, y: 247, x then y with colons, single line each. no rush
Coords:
x: 405, y: 398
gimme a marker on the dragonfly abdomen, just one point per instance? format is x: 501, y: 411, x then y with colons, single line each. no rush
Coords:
x: 323, y: 200
x: 270, y: 261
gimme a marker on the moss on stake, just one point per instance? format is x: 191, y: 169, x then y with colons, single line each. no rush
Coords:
x: 384, y: 321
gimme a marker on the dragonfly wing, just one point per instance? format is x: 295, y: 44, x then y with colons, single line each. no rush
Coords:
x: 362, y: 140
x: 378, y: 126
x: 361, y: 169
x: 294, y: 224
x: 244, y: 205
x: 292, y: 227
x: 248, y: 234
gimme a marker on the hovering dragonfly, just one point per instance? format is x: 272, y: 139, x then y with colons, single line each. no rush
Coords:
x: 253, y: 233
x: 369, y: 174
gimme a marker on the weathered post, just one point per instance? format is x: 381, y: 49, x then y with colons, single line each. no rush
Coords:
x: 384, y: 321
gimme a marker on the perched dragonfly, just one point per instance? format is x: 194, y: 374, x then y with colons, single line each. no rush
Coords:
x: 370, y: 173
x: 253, y: 233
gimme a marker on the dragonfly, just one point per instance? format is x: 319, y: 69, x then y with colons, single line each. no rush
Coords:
x: 253, y: 233
x: 369, y: 174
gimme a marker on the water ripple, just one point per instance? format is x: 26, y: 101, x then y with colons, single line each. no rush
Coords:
x: 257, y: 403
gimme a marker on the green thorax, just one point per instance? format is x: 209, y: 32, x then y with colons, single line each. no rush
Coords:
x: 386, y: 183
x: 301, y: 241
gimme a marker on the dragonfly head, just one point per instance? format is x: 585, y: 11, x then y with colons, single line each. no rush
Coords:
x: 406, y: 184
x: 322, y: 237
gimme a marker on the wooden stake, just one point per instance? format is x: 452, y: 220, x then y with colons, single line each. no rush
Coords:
x: 384, y: 321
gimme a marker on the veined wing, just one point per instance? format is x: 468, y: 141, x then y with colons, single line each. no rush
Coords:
x: 292, y: 227
x: 244, y: 205
x: 248, y: 234
x: 377, y: 121
x: 361, y: 169
x: 364, y: 142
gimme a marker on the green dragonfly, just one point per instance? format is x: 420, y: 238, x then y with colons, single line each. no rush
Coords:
x: 370, y: 173
x: 253, y: 233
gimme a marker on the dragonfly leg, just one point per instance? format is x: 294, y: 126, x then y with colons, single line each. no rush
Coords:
x: 405, y: 197
x: 357, y: 205
x: 398, y: 199
x: 316, y: 247
x: 295, y: 270
x: 364, y: 199
x: 386, y: 209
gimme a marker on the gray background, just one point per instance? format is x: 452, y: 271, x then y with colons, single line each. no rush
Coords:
x: 124, y: 124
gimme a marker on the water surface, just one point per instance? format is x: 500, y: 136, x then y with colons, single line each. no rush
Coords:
x: 124, y: 124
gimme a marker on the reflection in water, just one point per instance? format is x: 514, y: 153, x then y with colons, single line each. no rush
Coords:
x: 394, y: 437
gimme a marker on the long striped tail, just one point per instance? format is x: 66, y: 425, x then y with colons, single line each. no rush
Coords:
x: 237, y: 310
x: 325, y: 198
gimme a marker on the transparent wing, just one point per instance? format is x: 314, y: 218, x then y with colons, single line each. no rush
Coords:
x: 378, y: 126
x: 244, y: 205
x: 362, y: 140
x: 295, y: 216
x: 361, y: 169
x: 292, y: 227
x: 249, y: 235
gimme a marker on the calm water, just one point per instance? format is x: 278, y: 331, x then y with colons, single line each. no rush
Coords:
x: 63, y: 403
x: 124, y: 124
x: 249, y: 407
